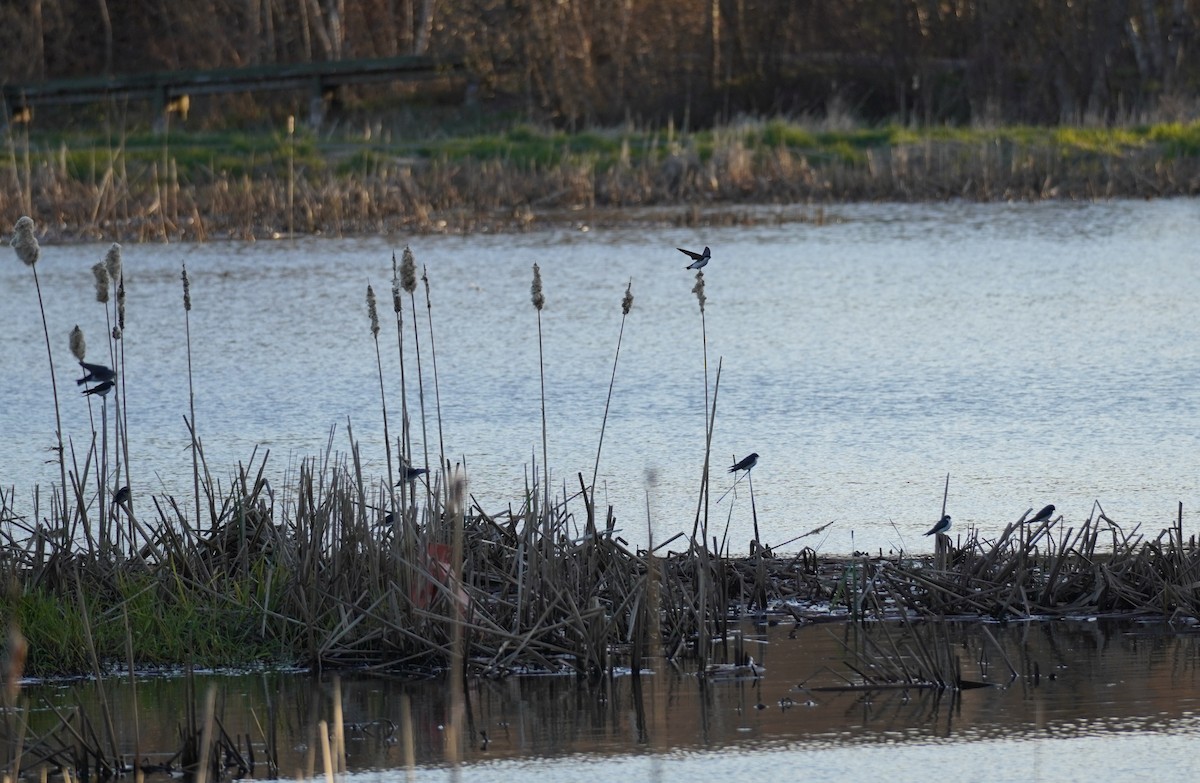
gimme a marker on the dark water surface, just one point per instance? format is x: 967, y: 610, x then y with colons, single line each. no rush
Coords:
x: 1040, y: 353
x: 1089, y: 700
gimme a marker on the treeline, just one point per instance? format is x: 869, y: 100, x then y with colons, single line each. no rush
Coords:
x: 580, y: 62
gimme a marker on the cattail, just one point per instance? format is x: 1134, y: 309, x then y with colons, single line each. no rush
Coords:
x: 18, y: 648
x: 120, y: 300
x: 116, y: 333
x: 24, y: 242
x: 372, y: 311
x: 698, y: 290
x: 408, y: 271
x: 187, y: 291
x: 78, y: 346
x: 112, y: 261
x: 100, y: 274
x: 627, y: 300
x: 535, y: 290
x: 397, y: 305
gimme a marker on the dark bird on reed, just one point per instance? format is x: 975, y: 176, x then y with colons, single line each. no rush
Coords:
x: 102, y: 389
x: 122, y: 496
x: 746, y: 464
x: 941, y: 527
x: 1044, y: 514
x: 698, y: 259
x: 95, y: 373
x: 411, y: 474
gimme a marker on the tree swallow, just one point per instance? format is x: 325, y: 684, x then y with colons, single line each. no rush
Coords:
x: 1044, y: 514
x: 698, y: 259
x: 411, y: 474
x: 941, y: 527
x: 746, y: 463
x: 95, y: 373
x: 103, y: 389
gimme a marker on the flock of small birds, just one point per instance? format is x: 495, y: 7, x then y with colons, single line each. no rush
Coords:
x: 943, y: 524
x: 699, y: 261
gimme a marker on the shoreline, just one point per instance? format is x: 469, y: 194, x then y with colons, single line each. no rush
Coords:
x: 192, y: 188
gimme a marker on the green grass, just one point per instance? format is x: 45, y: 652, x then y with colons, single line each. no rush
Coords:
x: 203, y: 156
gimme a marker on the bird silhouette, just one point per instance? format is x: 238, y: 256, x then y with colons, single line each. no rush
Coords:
x: 746, y: 464
x: 1044, y: 514
x: 95, y: 373
x: 942, y: 525
x: 698, y: 259
x: 411, y: 473
x: 102, y: 389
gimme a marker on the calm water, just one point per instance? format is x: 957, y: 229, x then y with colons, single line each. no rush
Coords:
x: 1108, y: 701
x: 1039, y: 353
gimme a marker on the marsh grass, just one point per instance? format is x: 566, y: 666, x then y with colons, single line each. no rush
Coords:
x: 313, y: 573
x: 240, y: 185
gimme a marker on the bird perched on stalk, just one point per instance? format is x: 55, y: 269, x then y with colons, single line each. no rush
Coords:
x: 102, y: 389
x: 412, y: 474
x: 746, y: 464
x: 95, y: 373
x: 941, y: 527
x: 698, y: 259
x: 1044, y: 514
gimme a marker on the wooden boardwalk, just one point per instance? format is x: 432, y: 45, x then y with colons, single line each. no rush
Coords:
x: 172, y: 90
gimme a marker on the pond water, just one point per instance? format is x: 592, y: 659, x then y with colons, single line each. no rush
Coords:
x: 1038, y: 353
x: 1084, y: 699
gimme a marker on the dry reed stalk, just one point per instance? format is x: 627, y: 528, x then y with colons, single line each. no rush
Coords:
x: 538, y: 298
x: 437, y: 392
x: 626, y: 306
x: 25, y: 243
x: 373, y: 317
x: 408, y: 281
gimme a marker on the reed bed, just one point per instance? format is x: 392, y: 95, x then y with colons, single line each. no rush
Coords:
x: 525, y: 177
x: 337, y: 569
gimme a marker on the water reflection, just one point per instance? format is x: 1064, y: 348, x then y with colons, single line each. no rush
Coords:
x: 1067, y: 680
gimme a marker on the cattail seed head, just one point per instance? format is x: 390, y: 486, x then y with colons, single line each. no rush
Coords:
x: 698, y: 290
x: 372, y: 311
x: 24, y: 242
x: 535, y: 290
x: 187, y: 291
x: 78, y: 346
x: 396, y: 304
x: 408, y: 271
x: 100, y: 274
x: 627, y: 300
x: 120, y: 302
x: 116, y: 333
x: 112, y: 260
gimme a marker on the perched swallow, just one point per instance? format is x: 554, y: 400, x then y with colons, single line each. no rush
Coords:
x: 411, y: 474
x: 745, y: 464
x: 1044, y: 514
x: 122, y: 496
x: 102, y: 389
x: 698, y: 259
x: 941, y: 527
x: 95, y: 373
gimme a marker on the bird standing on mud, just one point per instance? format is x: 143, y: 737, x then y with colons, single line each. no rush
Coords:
x: 941, y: 527
x: 746, y: 464
x: 1044, y: 514
x: 698, y: 259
